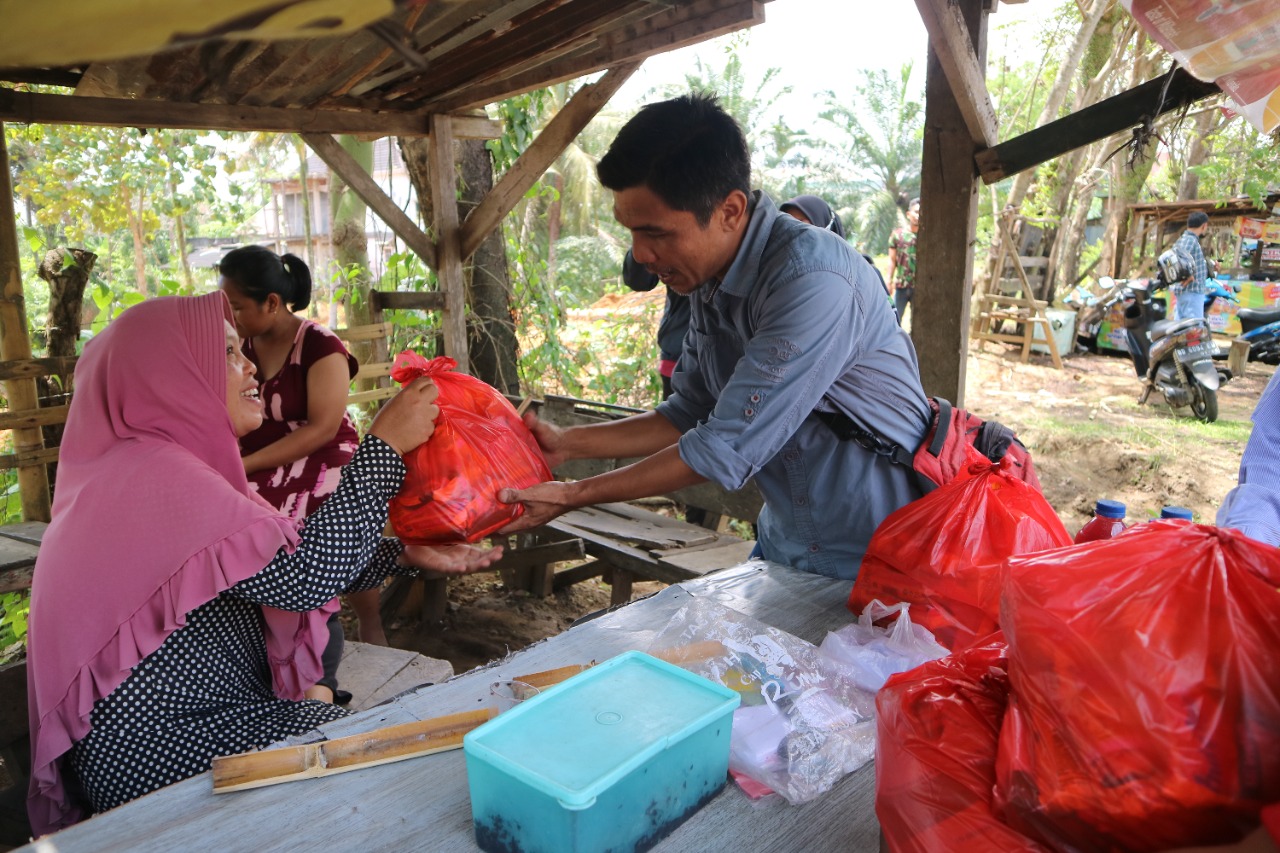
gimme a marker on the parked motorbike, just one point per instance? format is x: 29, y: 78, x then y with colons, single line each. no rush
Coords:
x: 1174, y: 357
x: 1261, y: 328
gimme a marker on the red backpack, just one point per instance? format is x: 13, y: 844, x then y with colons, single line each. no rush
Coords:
x: 942, y: 453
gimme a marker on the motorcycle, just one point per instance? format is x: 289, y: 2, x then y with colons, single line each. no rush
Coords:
x: 1175, y: 357
x: 1261, y: 328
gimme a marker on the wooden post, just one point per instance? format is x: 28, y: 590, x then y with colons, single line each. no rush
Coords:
x: 444, y: 192
x: 15, y: 343
x: 948, y: 217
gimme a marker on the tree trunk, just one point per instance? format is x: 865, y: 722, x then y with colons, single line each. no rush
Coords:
x: 139, y: 243
x: 492, y: 344
x: 1206, y: 122
x: 351, y: 247
x: 66, y: 281
x: 305, y: 199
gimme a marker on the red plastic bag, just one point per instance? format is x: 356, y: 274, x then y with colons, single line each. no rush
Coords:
x: 1145, y: 673
x: 942, y: 553
x: 937, y: 727
x: 479, y: 446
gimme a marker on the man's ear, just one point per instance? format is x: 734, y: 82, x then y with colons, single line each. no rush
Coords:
x: 733, y: 211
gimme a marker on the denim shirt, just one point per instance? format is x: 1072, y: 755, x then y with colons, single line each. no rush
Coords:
x: 799, y: 324
x: 1253, y: 507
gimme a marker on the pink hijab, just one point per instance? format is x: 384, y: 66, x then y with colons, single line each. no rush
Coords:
x: 152, y: 517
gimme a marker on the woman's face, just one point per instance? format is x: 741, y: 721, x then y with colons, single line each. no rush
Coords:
x: 252, y: 318
x: 242, y: 389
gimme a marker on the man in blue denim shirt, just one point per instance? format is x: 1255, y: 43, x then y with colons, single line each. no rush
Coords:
x: 787, y: 321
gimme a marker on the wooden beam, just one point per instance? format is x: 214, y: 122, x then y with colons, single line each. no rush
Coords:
x: 1115, y: 114
x: 948, y: 218
x: 15, y: 343
x: 444, y: 193
x: 949, y: 38
x: 394, y: 300
x: 681, y: 25
x: 38, y: 108
x: 30, y: 368
x: 585, y: 104
x: 363, y: 184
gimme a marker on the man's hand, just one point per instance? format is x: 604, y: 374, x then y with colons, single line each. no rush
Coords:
x: 408, y: 419
x: 542, y: 503
x: 550, y: 439
x: 451, y: 559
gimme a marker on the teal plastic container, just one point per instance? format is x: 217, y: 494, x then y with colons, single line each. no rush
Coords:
x: 612, y: 759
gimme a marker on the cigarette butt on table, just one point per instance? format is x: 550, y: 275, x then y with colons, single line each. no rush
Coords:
x: 524, y: 405
x: 355, y: 752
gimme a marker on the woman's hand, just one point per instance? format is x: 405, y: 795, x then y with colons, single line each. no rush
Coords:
x: 542, y: 503
x: 408, y: 419
x: 451, y: 559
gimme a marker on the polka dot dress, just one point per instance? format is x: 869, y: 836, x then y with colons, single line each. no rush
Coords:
x: 207, y: 690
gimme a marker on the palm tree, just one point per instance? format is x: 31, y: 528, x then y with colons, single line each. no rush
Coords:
x: 880, y: 135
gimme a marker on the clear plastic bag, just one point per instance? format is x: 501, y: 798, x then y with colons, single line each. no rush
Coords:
x: 869, y: 655
x: 803, y: 725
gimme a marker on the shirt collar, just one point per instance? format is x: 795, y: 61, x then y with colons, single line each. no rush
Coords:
x: 745, y: 268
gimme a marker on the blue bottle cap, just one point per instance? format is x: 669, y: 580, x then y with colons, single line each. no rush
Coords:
x: 1176, y: 512
x: 1109, y: 509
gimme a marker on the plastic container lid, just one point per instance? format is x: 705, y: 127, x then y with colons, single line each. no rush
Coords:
x: 1176, y: 512
x: 1109, y: 509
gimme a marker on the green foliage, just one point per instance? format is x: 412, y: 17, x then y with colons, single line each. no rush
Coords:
x: 14, y: 608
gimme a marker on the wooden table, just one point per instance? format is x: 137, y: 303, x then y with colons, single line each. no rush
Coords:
x: 422, y: 804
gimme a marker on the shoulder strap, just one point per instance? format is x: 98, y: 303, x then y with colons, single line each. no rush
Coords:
x: 942, y: 425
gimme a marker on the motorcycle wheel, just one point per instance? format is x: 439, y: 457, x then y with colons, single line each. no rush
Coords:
x: 1204, y: 403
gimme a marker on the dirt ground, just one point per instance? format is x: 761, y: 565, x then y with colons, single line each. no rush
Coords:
x: 1087, y: 435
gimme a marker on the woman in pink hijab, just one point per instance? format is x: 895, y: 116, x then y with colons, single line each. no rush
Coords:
x: 172, y: 610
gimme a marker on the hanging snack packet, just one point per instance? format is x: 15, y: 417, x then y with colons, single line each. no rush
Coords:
x: 480, y: 445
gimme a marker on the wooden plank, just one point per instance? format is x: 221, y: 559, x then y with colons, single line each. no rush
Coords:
x: 449, y: 257
x: 31, y: 368
x: 730, y: 552
x: 17, y: 578
x: 363, y: 184
x: 15, y: 345
x: 374, y: 371
x: 1105, y: 118
x: 940, y: 309
x: 355, y: 752
x: 949, y: 37
x: 357, y: 398
x: 620, y: 586
x: 540, y: 555
x: 33, y: 417
x: 585, y: 104
x: 653, y: 532
x: 17, y: 562
x: 31, y: 457
x: 426, y: 300
x: 682, y: 24
x: 566, y: 578
x: 40, y: 108
x: 31, y: 532
x: 369, y: 332
x: 373, y: 674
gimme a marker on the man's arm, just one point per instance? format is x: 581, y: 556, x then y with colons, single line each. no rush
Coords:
x: 1253, y: 507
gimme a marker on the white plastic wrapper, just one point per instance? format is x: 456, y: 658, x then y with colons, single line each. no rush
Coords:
x: 802, y: 726
x: 869, y: 655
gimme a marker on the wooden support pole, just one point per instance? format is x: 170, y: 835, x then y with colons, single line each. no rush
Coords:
x: 950, y: 42
x: 444, y: 191
x: 15, y: 343
x: 362, y: 184
x: 948, y: 219
x: 550, y: 144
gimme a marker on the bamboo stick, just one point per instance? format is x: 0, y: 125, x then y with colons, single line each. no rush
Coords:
x: 355, y: 752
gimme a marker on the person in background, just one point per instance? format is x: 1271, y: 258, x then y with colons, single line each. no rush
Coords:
x: 171, y: 607
x: 1253, y: 506
x: 793, y: 354
x: 295, y: 458
x: 1189, y: 294
x: 902, y: 259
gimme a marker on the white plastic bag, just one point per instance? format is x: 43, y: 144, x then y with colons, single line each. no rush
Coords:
x: 802, y: 725
x: 869, y: 655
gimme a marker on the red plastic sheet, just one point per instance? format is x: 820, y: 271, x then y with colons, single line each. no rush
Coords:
x: 1145, y: 673
x: 942, y: 552
x: 479, y: 446
x: 937, y: 729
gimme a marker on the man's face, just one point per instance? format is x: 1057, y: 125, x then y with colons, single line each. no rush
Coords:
x: 672, y: 245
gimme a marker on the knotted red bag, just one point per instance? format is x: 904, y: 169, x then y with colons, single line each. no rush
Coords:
x: 942, y: 553
x: 936, y: 732
x: 1145, y: 680
x: 479, y: 446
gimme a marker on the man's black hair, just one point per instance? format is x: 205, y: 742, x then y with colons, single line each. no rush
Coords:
x: 688, y: 151
x: 1197, y: 218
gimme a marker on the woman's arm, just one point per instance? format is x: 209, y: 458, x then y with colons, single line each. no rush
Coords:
x: 327, y: 383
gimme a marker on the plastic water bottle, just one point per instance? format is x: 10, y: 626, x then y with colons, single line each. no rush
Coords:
x: 1176, y: 512
x: 1108, y: 520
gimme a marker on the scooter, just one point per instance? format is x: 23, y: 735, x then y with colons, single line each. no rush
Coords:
x: 1175, y: 357
x: 1261, y: 328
